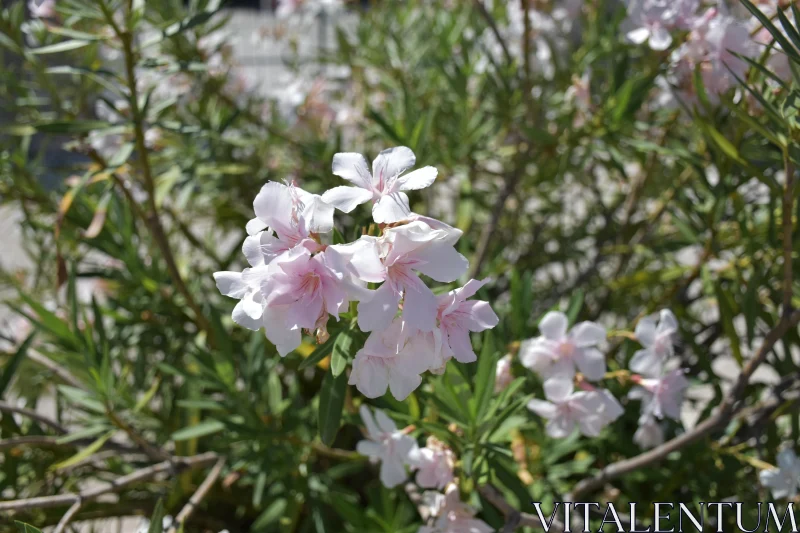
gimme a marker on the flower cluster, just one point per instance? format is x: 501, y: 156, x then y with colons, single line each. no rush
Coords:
x: 555, y: 356
x: 297, y: 281
x: 784, y: 480
x: 396, y: 451
x: 660, y: 389
x: 714, y: 40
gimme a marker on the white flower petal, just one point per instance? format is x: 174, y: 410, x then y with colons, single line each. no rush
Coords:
x: 542, y: 408
x: 646, y: 332
x: 419, y: 179
x: 587, y: 334
x: 591, y: 362
x: 390, y: 163
x: 352, y: 167
x: 558, y: 390
x: 231, y: 284
x: 554, y: 325
x: 254, y: 226
x: 638, y: 36
x: 346, y: 198
x: 441, y: 262
x: 391, y: 208
x: 377, y: 312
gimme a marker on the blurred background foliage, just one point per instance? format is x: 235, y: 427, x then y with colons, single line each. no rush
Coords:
x: 132, y: 150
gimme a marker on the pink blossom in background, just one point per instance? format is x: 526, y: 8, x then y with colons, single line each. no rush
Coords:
x: 434, y: 464
x: 42, y: 9
x: 657, y: 339
x: 652, y: 21
x: 783, y: 481
x: 387, y: 445
x: 390, y: 359
x: 503, y: 376
x: 661, y: 396
x: 565, y: 409
x: 649, y: 434
x: 384, y: 186
x: 557, y: 353
x: 451, y: 514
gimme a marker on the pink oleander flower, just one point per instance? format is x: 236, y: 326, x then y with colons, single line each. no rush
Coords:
x: 401, y: 253
x: 384, y: 186
x: 590, y: 411
x: 657, y: 340
x: 392, y: 359
x: 649, y: 433
x: 710, y: 48
x: 292, y: 214
x: 503, y: 376
x: 451, y: 514
x: 557, y: 352
x: 651, y: 21
x: 457, y: 317
x: 387, y: 445
x: 783, y: 481
x: 42, y: 9
x: 434, y: 464
x: 661, y: 396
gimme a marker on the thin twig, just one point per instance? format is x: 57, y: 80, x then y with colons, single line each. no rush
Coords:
x: 8, y: 408
x: 788, y: 208
x: 90, y: 494
x: 62, y: 524
x: 153, y: 220
x: 495, y: 30
x: 152, y: 451
x: 719, y: 419
x: 197, y: 497
x: 514, y: 518
x: 55, y: 368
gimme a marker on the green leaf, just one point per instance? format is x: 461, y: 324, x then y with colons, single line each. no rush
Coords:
x: 26, y: 528
x: 11, y: 367
x: 63, y: 46
x: 74, y: 126
x: 157, y: 518
x: 202, y: 429
x: 319, y: 353
x: 485, y: 376
x: 271, y: 514
x: 84, y: 453
x: 575, y: 305
x: 773, y: 30
x: 331, y: 402
x: 342, y: 352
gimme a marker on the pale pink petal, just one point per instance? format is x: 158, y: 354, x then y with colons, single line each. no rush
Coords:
x: 278, y: 332
x: 231, y: 284
x: 393, y: 473
x: 377, y: 312
x: 317, y: 213
x: 369, y: 448
x: 241, y: 317
x: 347, y: 198
x: 591, y: 362
x: 369, y: 421
x: 470, y: 288
x: 558, y: 390
x: 441, y: 262
x: 646, y: 332
x: 389, y: 164
x: 481, y: 315
x: 667, y: 324
x: 638, y: 36
x: 385, y: 423
x: 560, y: 427
x: 419, y: 179
x: 587, y: 334
x: 646, y: 362
x: 391, y: 208
x: 542, y: 408
x: 273, y: 205
x: 402, y: 384
x: 366, y: 262
x: 461, y: 345
x: 538, y: 353
x: 591, y: 426
x: 660, y: 39
x: 554, y: 325
x: 353, y: 168
x: 254, y: 226
x: 419, y: 306
x: 251, y: 248
x: 369, y: 375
